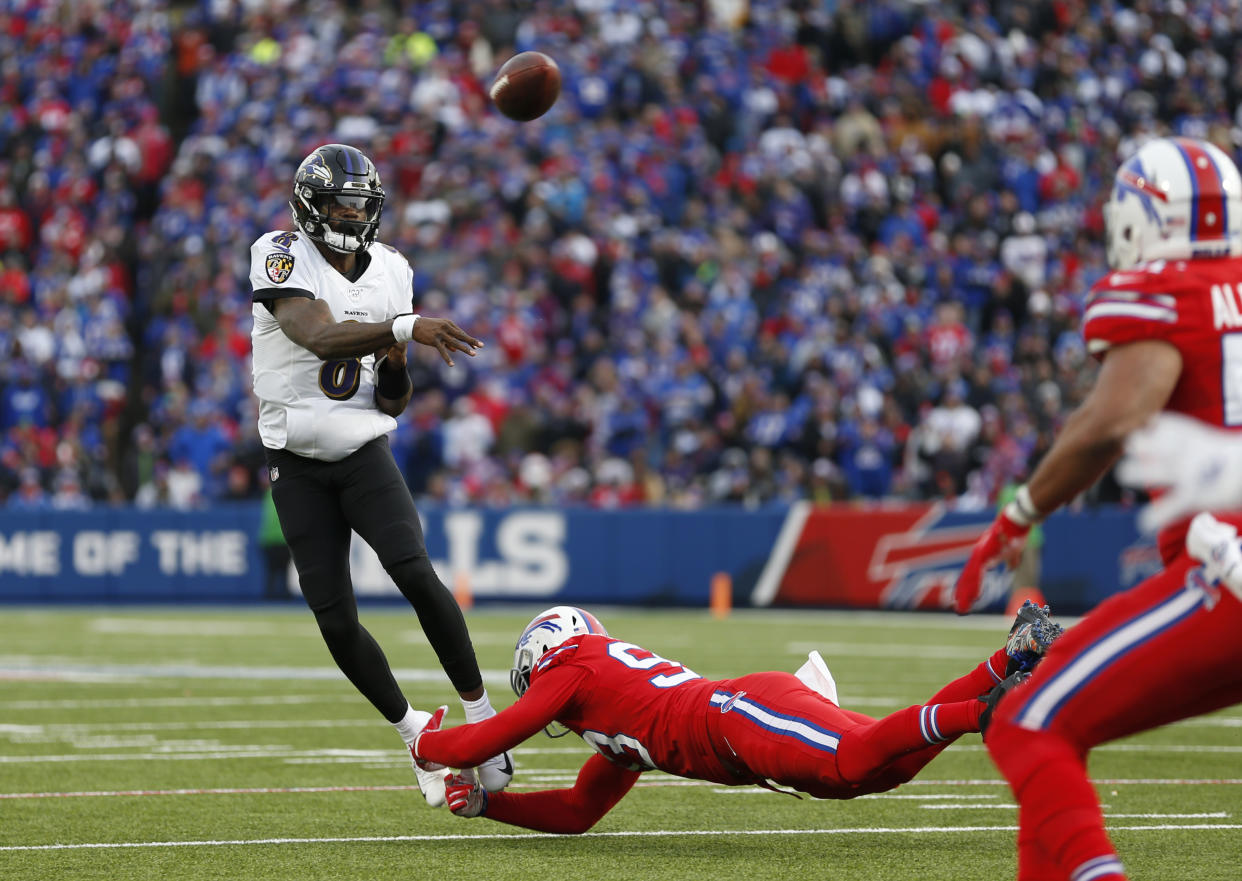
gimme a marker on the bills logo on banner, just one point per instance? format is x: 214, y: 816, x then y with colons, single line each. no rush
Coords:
x: 1137, y: 562
x: 895, y: 557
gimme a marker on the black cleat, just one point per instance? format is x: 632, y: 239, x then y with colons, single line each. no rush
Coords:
x: 993, y: 697
x: 1032, y: 632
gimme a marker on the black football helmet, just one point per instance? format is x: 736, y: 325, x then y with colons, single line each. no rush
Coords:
x: 344, y: 175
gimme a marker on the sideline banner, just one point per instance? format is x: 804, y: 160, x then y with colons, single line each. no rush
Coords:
x: 885, y: 556
x: 898, y: 556
x: 130, y: 555
x: 908, y: 556
x: 519, y: 554
x: 578, y: 555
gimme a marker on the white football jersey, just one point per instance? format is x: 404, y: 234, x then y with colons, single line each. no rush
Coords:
x: 320, y: 409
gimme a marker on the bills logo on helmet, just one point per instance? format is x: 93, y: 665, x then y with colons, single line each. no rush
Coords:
x: 1132, y: 178
x: 279, y: 267
x: 562, y: 618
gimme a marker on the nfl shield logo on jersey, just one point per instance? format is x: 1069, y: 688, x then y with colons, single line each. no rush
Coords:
x: 279, y: 266
x: 273, y: 473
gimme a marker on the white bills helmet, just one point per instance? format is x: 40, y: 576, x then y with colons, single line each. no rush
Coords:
x: 548, y: 630
x: 1174, y: 199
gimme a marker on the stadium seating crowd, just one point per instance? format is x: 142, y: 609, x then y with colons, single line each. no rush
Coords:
x: 758, y: 251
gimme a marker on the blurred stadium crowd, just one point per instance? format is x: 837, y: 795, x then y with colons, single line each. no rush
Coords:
x: 758, y: 251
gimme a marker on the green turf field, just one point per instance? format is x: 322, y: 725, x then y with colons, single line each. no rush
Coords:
x: 206, y: 743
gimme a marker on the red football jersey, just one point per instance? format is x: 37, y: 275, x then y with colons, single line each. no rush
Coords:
x: 1195, y: 305
x: 634, y: 707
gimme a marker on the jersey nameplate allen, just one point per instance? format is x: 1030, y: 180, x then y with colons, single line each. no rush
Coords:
x: 1226, y: 309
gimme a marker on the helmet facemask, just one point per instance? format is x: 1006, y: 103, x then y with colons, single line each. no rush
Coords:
x: 341, y: 235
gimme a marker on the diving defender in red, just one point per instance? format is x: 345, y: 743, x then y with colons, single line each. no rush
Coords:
x: 642, y: 712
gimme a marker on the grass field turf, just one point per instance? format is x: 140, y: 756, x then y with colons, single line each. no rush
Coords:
x: 222, y: 743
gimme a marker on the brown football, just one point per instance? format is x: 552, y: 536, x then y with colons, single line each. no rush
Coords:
x: 526, y: 86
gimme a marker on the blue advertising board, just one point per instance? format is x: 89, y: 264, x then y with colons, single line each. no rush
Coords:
x: 520, y: 554
x: 130, y: 555
x: 647, y: 557
x: 1091, y: 554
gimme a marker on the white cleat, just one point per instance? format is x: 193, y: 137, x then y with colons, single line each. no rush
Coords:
x: 495, y: 773
x: 432, y: 784
x: 815, y: 675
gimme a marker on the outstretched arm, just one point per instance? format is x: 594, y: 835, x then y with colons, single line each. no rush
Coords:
x: 310, y: 324
x: 466, y: 746
x: 600, y: 785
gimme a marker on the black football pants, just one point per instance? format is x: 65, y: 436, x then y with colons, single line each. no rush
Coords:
x: 318, y: 504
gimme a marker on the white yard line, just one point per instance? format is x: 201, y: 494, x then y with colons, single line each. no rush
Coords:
x: 141, y: 702
x: 75, y: 731
x: 829, y: 649
x: 262, y: 790
x: 1098, y: 781
x: 1167, y: 748
x: 656, y: 780
x: 198, y: 750
x: 924, y: 796
x: 650, y: 833
x: 1130, y: 748
x: 1213, y: 815
x: 162, y: 627
x: 1220, y: 815
x: 1211, y: 722
x: 199, y: 755
x: 10, y: 668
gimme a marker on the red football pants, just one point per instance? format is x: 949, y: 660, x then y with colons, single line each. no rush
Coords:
x: 1167, y: 649
x: 771, y: 726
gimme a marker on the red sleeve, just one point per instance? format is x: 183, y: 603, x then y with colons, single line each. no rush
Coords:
x: 469, y: 745
x: 1126, y: 307
x: 600, y: 785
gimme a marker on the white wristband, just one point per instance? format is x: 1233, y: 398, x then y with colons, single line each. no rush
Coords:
x: 403, y: 327
x: 1022, y: 510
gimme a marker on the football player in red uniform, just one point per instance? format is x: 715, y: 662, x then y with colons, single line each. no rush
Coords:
x: 1167, y: 323
x: 641, y: 712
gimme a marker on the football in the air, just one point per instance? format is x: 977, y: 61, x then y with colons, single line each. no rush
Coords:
x: 526, y: 86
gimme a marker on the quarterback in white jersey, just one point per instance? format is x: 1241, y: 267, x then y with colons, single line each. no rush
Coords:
x: 324, y: 409
x: 332, y: 317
